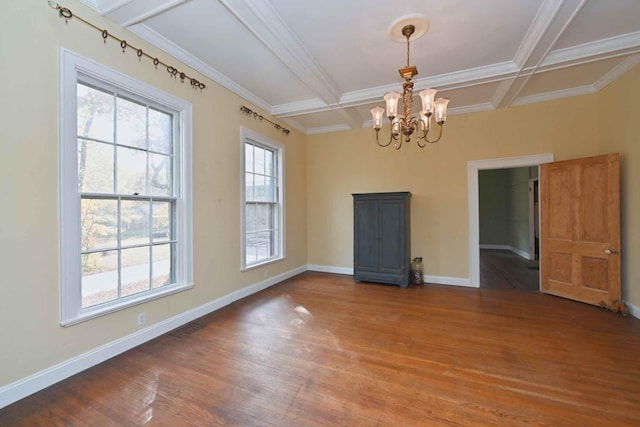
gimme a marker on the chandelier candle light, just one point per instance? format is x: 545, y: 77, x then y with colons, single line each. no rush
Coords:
x: 403, y: 125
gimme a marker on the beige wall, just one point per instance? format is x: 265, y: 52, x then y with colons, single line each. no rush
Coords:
x: 321, y: 173
x: 31, y: 34
x: 342, y: 163
x: 619, y: 130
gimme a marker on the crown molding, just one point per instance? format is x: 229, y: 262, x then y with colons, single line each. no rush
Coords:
x: 617, y: 72
x: 294, y: 124
x: 600, y: 49
x: 262, y: 20
x: 327, y: 129
x: 549, y: 96
x: 297, y: 108
x: 455, y: 80
x: 474, y: 108
x: 151, y: 36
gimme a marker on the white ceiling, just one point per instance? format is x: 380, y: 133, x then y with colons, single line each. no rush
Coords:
x: 320, y: 65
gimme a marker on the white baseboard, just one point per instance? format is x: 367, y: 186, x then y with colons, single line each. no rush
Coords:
x: 24, y: 387
x: 330, y: 269
x: 520, y: 252
x: 500, y: 247
x: 445, y: 280
x: 440, y: 280
x: 633, y: 309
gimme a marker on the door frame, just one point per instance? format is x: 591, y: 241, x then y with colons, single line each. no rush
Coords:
x: 474, y: 167
x: 532, y: 216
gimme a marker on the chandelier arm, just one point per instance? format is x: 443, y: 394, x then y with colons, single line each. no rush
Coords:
x: 378, y: 139
x: 437, y: 139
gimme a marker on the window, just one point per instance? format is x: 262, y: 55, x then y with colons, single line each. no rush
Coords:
x: 262, y: 200
x: 125, y: 191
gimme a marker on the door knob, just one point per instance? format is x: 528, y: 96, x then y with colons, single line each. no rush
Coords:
x: 607, y: 251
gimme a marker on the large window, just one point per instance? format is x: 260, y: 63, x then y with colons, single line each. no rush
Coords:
x: 262, y: 207
x: 125, y: 189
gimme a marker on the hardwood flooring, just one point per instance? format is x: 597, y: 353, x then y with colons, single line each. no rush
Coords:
x: 320, y: 350
x: 502, y: 269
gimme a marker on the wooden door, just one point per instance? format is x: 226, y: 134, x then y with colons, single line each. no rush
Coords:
x: 580, y: 228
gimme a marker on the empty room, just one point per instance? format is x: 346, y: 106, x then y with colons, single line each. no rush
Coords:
x: 320, y: 213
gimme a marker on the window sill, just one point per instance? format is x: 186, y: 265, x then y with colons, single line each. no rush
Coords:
x: 262, y: 263
x: 93, y: 312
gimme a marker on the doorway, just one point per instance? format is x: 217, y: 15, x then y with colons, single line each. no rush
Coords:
x: 508, y: 228
x: 474, y: 168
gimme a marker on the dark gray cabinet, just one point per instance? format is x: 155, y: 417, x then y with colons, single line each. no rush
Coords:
x: 381, y: 241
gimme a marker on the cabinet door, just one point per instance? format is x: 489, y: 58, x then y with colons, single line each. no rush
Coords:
x: 392, y: 236
x: 366, y: 235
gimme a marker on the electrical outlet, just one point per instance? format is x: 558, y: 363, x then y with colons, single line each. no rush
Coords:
x: 142, y: 319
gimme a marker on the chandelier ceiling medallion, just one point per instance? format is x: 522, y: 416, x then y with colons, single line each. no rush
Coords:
x: 403, y: 125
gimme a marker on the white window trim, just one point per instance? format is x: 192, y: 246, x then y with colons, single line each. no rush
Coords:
x: 71, y: 311
x: 246, y: 133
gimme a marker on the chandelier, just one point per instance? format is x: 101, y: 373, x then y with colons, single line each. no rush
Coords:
x: 403, y: 125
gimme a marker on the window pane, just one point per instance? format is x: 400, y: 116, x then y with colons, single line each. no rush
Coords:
x: 160, y: 131
x: 161, y: 224
x: 259, y: 190
x: 162, y: 274
x: 132, y: 123
x: 95, y: 167
x: 259, y: 160
x: 95, y: 113
x: 250, y: 217
x: 99, y: 221
x: 264, y: 217
x: 251, y: 254
x: 268, y: 163
x: 160, y: 175
x: 134, y: 222
x: 132, y: 171
x: 99, y: 277
x: 263, y: 245
x: 135, y: 270
x: 248, y: 184
x: 270, y: 189
x: 248, y: 157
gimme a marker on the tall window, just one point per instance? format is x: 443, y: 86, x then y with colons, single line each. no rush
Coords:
x: 127, y: 195
x: 262, y: 206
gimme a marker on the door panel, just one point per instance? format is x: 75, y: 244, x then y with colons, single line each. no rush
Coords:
x: 392, y: 258
x: 580, y: 228
x: 367, y: 235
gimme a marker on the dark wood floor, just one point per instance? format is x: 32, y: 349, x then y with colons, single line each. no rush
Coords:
x: 319, y: 350
x: 502, y: 269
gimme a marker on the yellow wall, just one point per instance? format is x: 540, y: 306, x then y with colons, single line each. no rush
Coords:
x: 31, y: 339
x: 342, y: 163
x: 321, y: 173
x: 619, y: 127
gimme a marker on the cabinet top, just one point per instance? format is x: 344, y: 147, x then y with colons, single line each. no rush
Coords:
x: 390, y: 194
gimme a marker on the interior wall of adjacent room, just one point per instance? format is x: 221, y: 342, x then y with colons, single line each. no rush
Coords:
x: 494, y: 207
x: 31, y: 337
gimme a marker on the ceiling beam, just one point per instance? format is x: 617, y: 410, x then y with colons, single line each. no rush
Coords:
x: 130, y: 12
x: 261, y: 19
x: 551, y: 21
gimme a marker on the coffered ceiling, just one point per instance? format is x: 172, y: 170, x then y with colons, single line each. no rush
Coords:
x: 321, y: 65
